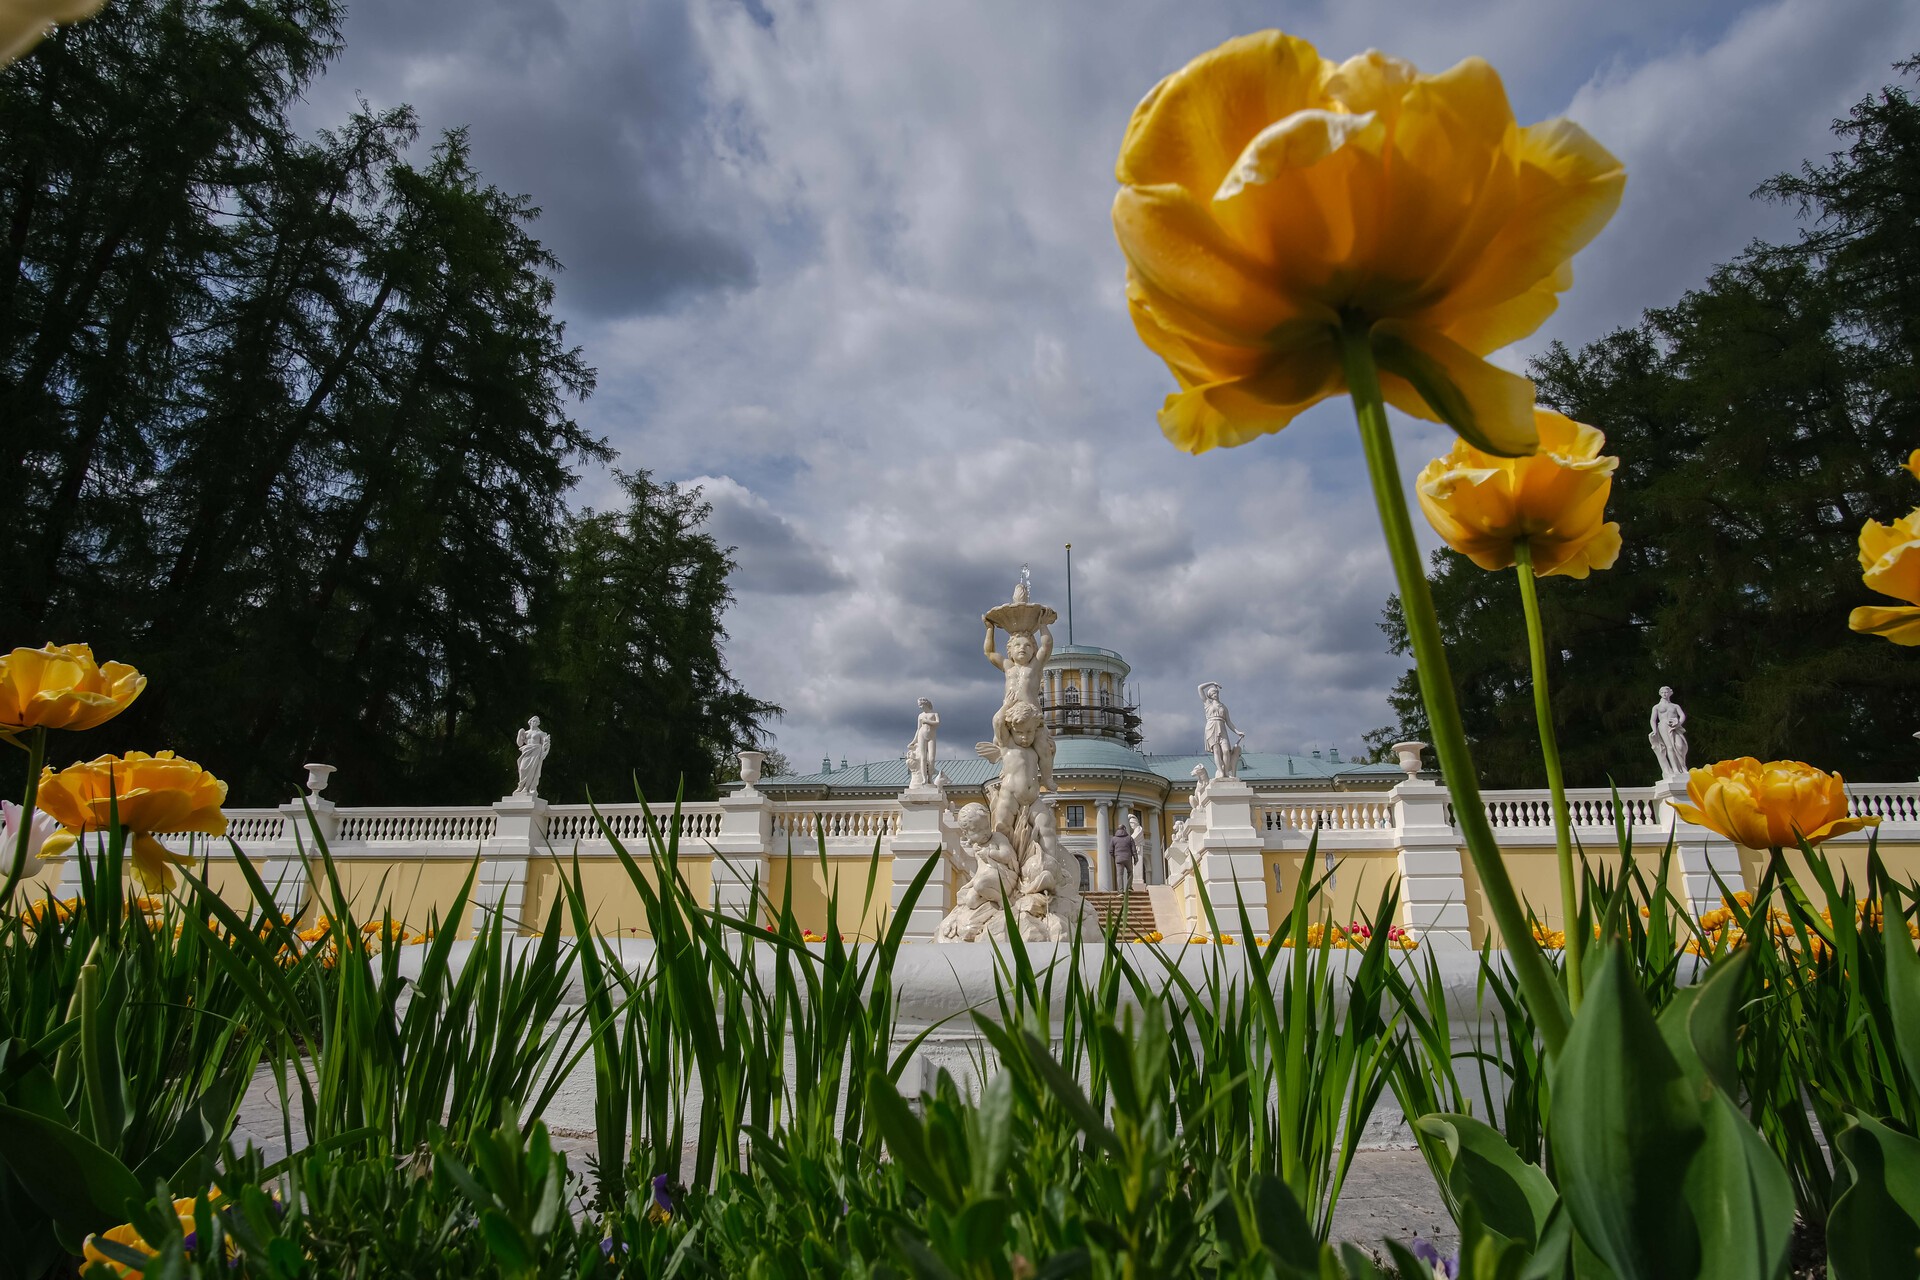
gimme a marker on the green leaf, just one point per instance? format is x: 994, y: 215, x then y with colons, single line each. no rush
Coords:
x: 1903, y: 987
x: 981, y: 1228
x: 1283, y: 1225
x: 76, y: 1182
x: 506, y: 1241
x: 1626, y: 1125
x: 1874, y: 1227
x: 1514, y: 1198
x: 906, y: 1140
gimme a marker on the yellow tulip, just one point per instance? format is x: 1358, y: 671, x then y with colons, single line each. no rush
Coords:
x: 129, y: 1236
x: 1890, y: 564
x: 61, y: 687
x: 153, y: 795
x: 1269, y: 196
x: 1554, y: 501
x: 1770, y: 805
x: 24, y: 23
x: 1913, y: 464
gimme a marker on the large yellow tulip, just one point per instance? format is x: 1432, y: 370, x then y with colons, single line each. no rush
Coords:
x: 1890, y: 564
x: 1268, y: 196
x: 153, y: 795
x: 61, y: 687
x: 129, y: 1236
x: 24, y: 23
x: 1771, y: 805
x: 1554, y: 501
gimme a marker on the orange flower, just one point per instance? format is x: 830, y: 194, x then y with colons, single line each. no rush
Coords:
x: 61, y: 687
x: 1269, y: 198
x: 153, y: 795
x: 128, y: 1236
x: 1770, y: 805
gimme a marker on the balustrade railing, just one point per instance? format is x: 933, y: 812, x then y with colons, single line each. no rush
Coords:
x: 1334, y: 814
x: 416, y: 826
x: 629, y: 824
x: 811, y: 822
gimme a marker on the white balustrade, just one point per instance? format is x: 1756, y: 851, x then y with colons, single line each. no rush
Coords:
x: 839, y: 822
x: 253, y: 826
x: 1337, y: 813
x: 568, y: 824
x: 416, y: 826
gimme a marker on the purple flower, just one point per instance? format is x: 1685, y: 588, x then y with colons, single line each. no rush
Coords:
x: 1442, y: 1266
x: 662, y: 1207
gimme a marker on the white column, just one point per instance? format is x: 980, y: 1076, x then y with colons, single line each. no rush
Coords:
x: 1703, y: 855
x: 740, y: 854
x: 1433, y: 891
x: 284, y: 864
x: 1102, y: 844
x: 918, y: 842
x: 1231, y: 864
x: 520, y: 827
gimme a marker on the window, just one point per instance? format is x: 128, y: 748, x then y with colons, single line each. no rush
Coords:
x: 1076, y: 815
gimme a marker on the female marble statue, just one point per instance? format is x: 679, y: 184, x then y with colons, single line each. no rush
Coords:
x: 1667, y: 736
x: 1225, y: 751
x: 920, y: 766
x: 534, y: 743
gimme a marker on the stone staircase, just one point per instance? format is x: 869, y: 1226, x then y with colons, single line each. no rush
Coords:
x: 1139, y: 911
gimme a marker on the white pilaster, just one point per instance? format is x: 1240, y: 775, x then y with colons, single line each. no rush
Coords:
x: 1231, y: 865
x: 740, y: 852
x: 1103, y: 844
x: 520, y: 827
x: 916, y: 843
x: 1433, y: 890
x: 285, y: 865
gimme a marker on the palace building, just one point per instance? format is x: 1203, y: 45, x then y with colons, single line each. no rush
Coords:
x: 1100, y: 770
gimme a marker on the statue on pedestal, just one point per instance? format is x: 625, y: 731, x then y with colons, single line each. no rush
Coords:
x: 1225, y: 751
x: 1009, y: 848
x: 1667, y: 735
x: 921, y: 770
x: 534, y: 743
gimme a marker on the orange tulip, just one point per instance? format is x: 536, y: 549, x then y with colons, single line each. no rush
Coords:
x: 1555, y: 501
x: 1770, y: 805
x: 61, y: 687
x: 152, y: 794
x: 1268, y: 197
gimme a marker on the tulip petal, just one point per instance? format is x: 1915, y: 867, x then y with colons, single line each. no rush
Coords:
x: 1440, y: 380
x: 1576, y: 560
x: 1192, y: 126
x: 1234, y: 412
x: 1839, y: 827
x: 1899, y: 624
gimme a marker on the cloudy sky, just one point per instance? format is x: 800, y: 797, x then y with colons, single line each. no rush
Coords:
x: 848, y: 266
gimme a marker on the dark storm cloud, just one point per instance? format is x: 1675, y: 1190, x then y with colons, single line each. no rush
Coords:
x: 600, y: 111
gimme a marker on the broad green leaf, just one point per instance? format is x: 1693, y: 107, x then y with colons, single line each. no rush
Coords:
x: 1514, y: 1198
x: 1874, y: 1227
x: 1903, y: 988
x: 74, y: 1181
x: 1626, y: 1125
x: 1283, y: 1225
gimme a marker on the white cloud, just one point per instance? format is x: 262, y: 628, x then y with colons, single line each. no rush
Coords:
x: 852, y: 270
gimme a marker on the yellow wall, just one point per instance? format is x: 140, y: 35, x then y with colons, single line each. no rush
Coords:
x: 859, y: 913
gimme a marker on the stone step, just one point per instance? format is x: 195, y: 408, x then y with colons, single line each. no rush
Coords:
x: 1139, y: 910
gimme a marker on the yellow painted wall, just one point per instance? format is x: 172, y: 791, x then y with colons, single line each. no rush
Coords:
x: 860, y: 914
x: 615, y: 904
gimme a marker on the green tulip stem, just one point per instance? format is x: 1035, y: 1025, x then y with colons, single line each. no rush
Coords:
x: 1556, y: 780
x: 1537, y: 981
x: 36, y: 757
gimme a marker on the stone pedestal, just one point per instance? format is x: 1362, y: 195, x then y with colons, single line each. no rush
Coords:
x: 287, y: 865
x: 520, y: 827
x: 1702, y: 853
x: 916, y: 843
x: 740, y: 854
x: 1433, y: 889
x: 1229, y: 854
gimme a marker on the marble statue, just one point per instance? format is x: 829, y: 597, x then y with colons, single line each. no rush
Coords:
x: 1121, y: 849
x: 1180, y: 853
x: 1009, y: 848
x: 1202, y: 787
x: 986, y: 859
x: 1225, y: 750
x: 1667, y: 735
x: 921, y: 770
x: 534, y: 743
x: 1139, y: 834
x: 1029, y: 645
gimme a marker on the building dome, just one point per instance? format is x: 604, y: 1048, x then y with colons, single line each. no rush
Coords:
x: 1084, y: 694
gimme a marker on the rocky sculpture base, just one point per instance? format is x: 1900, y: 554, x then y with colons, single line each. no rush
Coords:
x: 1043, y: 895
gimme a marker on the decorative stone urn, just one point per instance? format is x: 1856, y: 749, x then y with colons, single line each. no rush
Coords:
x: 1408, y: 754
x: 318, y: 775
x: 751, y: 762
